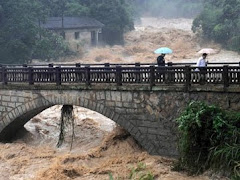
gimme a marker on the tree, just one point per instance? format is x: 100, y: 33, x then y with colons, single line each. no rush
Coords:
x: 19, y: 30
x: 220, y: 21
x: 117, y: 17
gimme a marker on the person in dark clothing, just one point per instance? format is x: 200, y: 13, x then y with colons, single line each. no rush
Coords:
x: 161, y: 60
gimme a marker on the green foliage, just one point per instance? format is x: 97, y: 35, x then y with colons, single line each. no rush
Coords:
x: 19, y: 33
x: 19, y: 30
x: 220, y: 21
x: 210, y: 139
x: 110, y: 176
x: 50, y: 46
x: 76, y: 9
x: 140, y: 172
x: 116, y: 16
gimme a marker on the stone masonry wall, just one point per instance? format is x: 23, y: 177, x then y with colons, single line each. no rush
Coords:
x: 149, y: 116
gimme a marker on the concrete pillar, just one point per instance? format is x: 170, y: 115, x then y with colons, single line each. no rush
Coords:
x: 96, y: 35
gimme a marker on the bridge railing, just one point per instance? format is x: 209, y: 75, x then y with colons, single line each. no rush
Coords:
x: 137, y: 74
x: 117, y: 64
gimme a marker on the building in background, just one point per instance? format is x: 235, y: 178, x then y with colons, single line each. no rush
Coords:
x: 79, y: 32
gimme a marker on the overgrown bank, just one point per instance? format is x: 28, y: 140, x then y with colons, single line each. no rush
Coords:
x: 209, y: 140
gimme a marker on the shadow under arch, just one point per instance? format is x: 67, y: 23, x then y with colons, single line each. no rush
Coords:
x: 36, y: 106
x: 16, y: 123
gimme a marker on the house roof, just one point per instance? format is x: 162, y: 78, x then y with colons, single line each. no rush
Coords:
x: 71, y: 23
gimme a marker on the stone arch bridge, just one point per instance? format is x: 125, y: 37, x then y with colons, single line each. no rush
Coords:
x: 147, y: 112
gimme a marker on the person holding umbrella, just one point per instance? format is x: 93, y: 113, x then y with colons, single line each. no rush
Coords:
x: 163, y: 51
x: 202, y: 63
x: 162, y: 72
x: 161, y: 60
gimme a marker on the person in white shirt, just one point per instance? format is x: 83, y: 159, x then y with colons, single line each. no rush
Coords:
x: 201, y: 63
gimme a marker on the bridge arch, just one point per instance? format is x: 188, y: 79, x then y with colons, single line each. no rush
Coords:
x: 148, y: 115
x: 15, y: 118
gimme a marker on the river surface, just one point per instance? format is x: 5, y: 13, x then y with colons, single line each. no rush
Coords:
x: 101, y: 148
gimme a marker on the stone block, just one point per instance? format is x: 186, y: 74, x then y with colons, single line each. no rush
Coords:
x: 64, y: 100
x: 27, y: 105
x: 128, y: 105
x: 134, y: 122
x: 134, y: 131
x: 85, y: 103
x: 150, y: 109
x: 118, y: 104
x: 27, y: 94
x: 81, y: 101
x: 127, y: 96
x: 100, y: 95
x: 4, y: 103
x: 110, y: 103
x: 92, y: 95
x: 130, y: 128
x: 150, y: 149
x: 143, y: 130
x: 6, y: 98
x: 52, y: 99
x: 129, y: 111
x: 18, y: 104
x: 11, y: 104
x: 90, y: 104
x: 94, y: 106
x: 108, y: 112
x: 104, y: 112
x: 116, y: 96
x: 9, y: 109
x: 20, y: 99
x: 153, y: 130
x: 2, y: 108
x: 108, y: 95
x: 144, y: 143
x: 115, y: 117
x: 137, y: 135
x: 13, y: 99
x: 11, y: 115
x: 16, y: 112
x: 24, y: 108
x: 101, y: 108
x: 120, y: 121
x: 149, y: 124
x: 120, y: 110
x: 111, y: 114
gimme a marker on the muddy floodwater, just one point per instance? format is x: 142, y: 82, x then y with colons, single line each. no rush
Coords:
x: 101, y: 149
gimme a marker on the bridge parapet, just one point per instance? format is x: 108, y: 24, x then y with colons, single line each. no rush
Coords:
x: 120, y: 75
